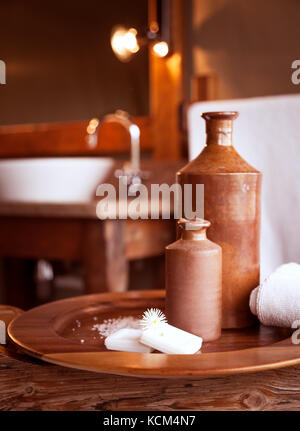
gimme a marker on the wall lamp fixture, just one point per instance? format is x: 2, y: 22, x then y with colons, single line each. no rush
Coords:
x: 126, y: 42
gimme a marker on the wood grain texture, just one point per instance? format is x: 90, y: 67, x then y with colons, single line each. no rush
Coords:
x: 29, y: 384
x: 61, y: 333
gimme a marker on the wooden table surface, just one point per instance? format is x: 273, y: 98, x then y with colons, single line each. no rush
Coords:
x: 28, y: 384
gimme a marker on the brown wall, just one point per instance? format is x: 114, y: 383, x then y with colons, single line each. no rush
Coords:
x: 249, y: 44
x: 60, y: 65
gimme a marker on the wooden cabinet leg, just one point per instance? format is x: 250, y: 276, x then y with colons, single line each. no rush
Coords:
x: 105, y: 264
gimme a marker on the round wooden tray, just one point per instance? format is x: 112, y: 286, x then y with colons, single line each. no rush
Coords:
x: 50, y: 332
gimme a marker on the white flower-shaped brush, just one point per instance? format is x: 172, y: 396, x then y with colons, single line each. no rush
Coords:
x: 152, y: 317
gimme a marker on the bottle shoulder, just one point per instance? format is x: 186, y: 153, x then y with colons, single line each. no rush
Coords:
x: 215, y: 159
x: 190, y: 246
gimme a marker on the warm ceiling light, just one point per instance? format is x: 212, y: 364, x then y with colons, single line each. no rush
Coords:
x: 124, y: 43
x: 161, y: 49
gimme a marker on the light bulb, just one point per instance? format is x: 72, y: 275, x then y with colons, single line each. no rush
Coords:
x: 124, y: 43
x: 161, y: 49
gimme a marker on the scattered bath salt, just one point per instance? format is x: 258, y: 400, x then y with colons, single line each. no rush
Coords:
x: 73, y: 329
x: 95, y: 318
x: 82, y: 341
x: 78, y: 323
x: 109, y: 326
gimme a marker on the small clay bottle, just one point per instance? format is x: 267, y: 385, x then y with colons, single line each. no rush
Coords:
x: 194, y: 281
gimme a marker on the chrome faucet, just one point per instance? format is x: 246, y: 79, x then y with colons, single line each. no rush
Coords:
x: 122, y: 118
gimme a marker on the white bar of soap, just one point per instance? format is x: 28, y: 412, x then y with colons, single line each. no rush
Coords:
x: 126, y: 340
x: 168, y: 339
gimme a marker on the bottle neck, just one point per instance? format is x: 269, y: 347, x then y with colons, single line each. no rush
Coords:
x: 194, y: 235
x: 219, y: 132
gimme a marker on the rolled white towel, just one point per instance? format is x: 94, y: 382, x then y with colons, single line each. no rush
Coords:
x: 276, y: 302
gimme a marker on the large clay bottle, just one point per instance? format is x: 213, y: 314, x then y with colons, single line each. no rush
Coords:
x: 232, y: 204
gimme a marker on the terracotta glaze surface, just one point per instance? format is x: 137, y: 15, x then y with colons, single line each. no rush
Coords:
x: 194, y: 281
x: 232, y: 190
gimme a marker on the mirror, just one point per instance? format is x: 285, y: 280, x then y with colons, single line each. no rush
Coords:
x: 60, y: 65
